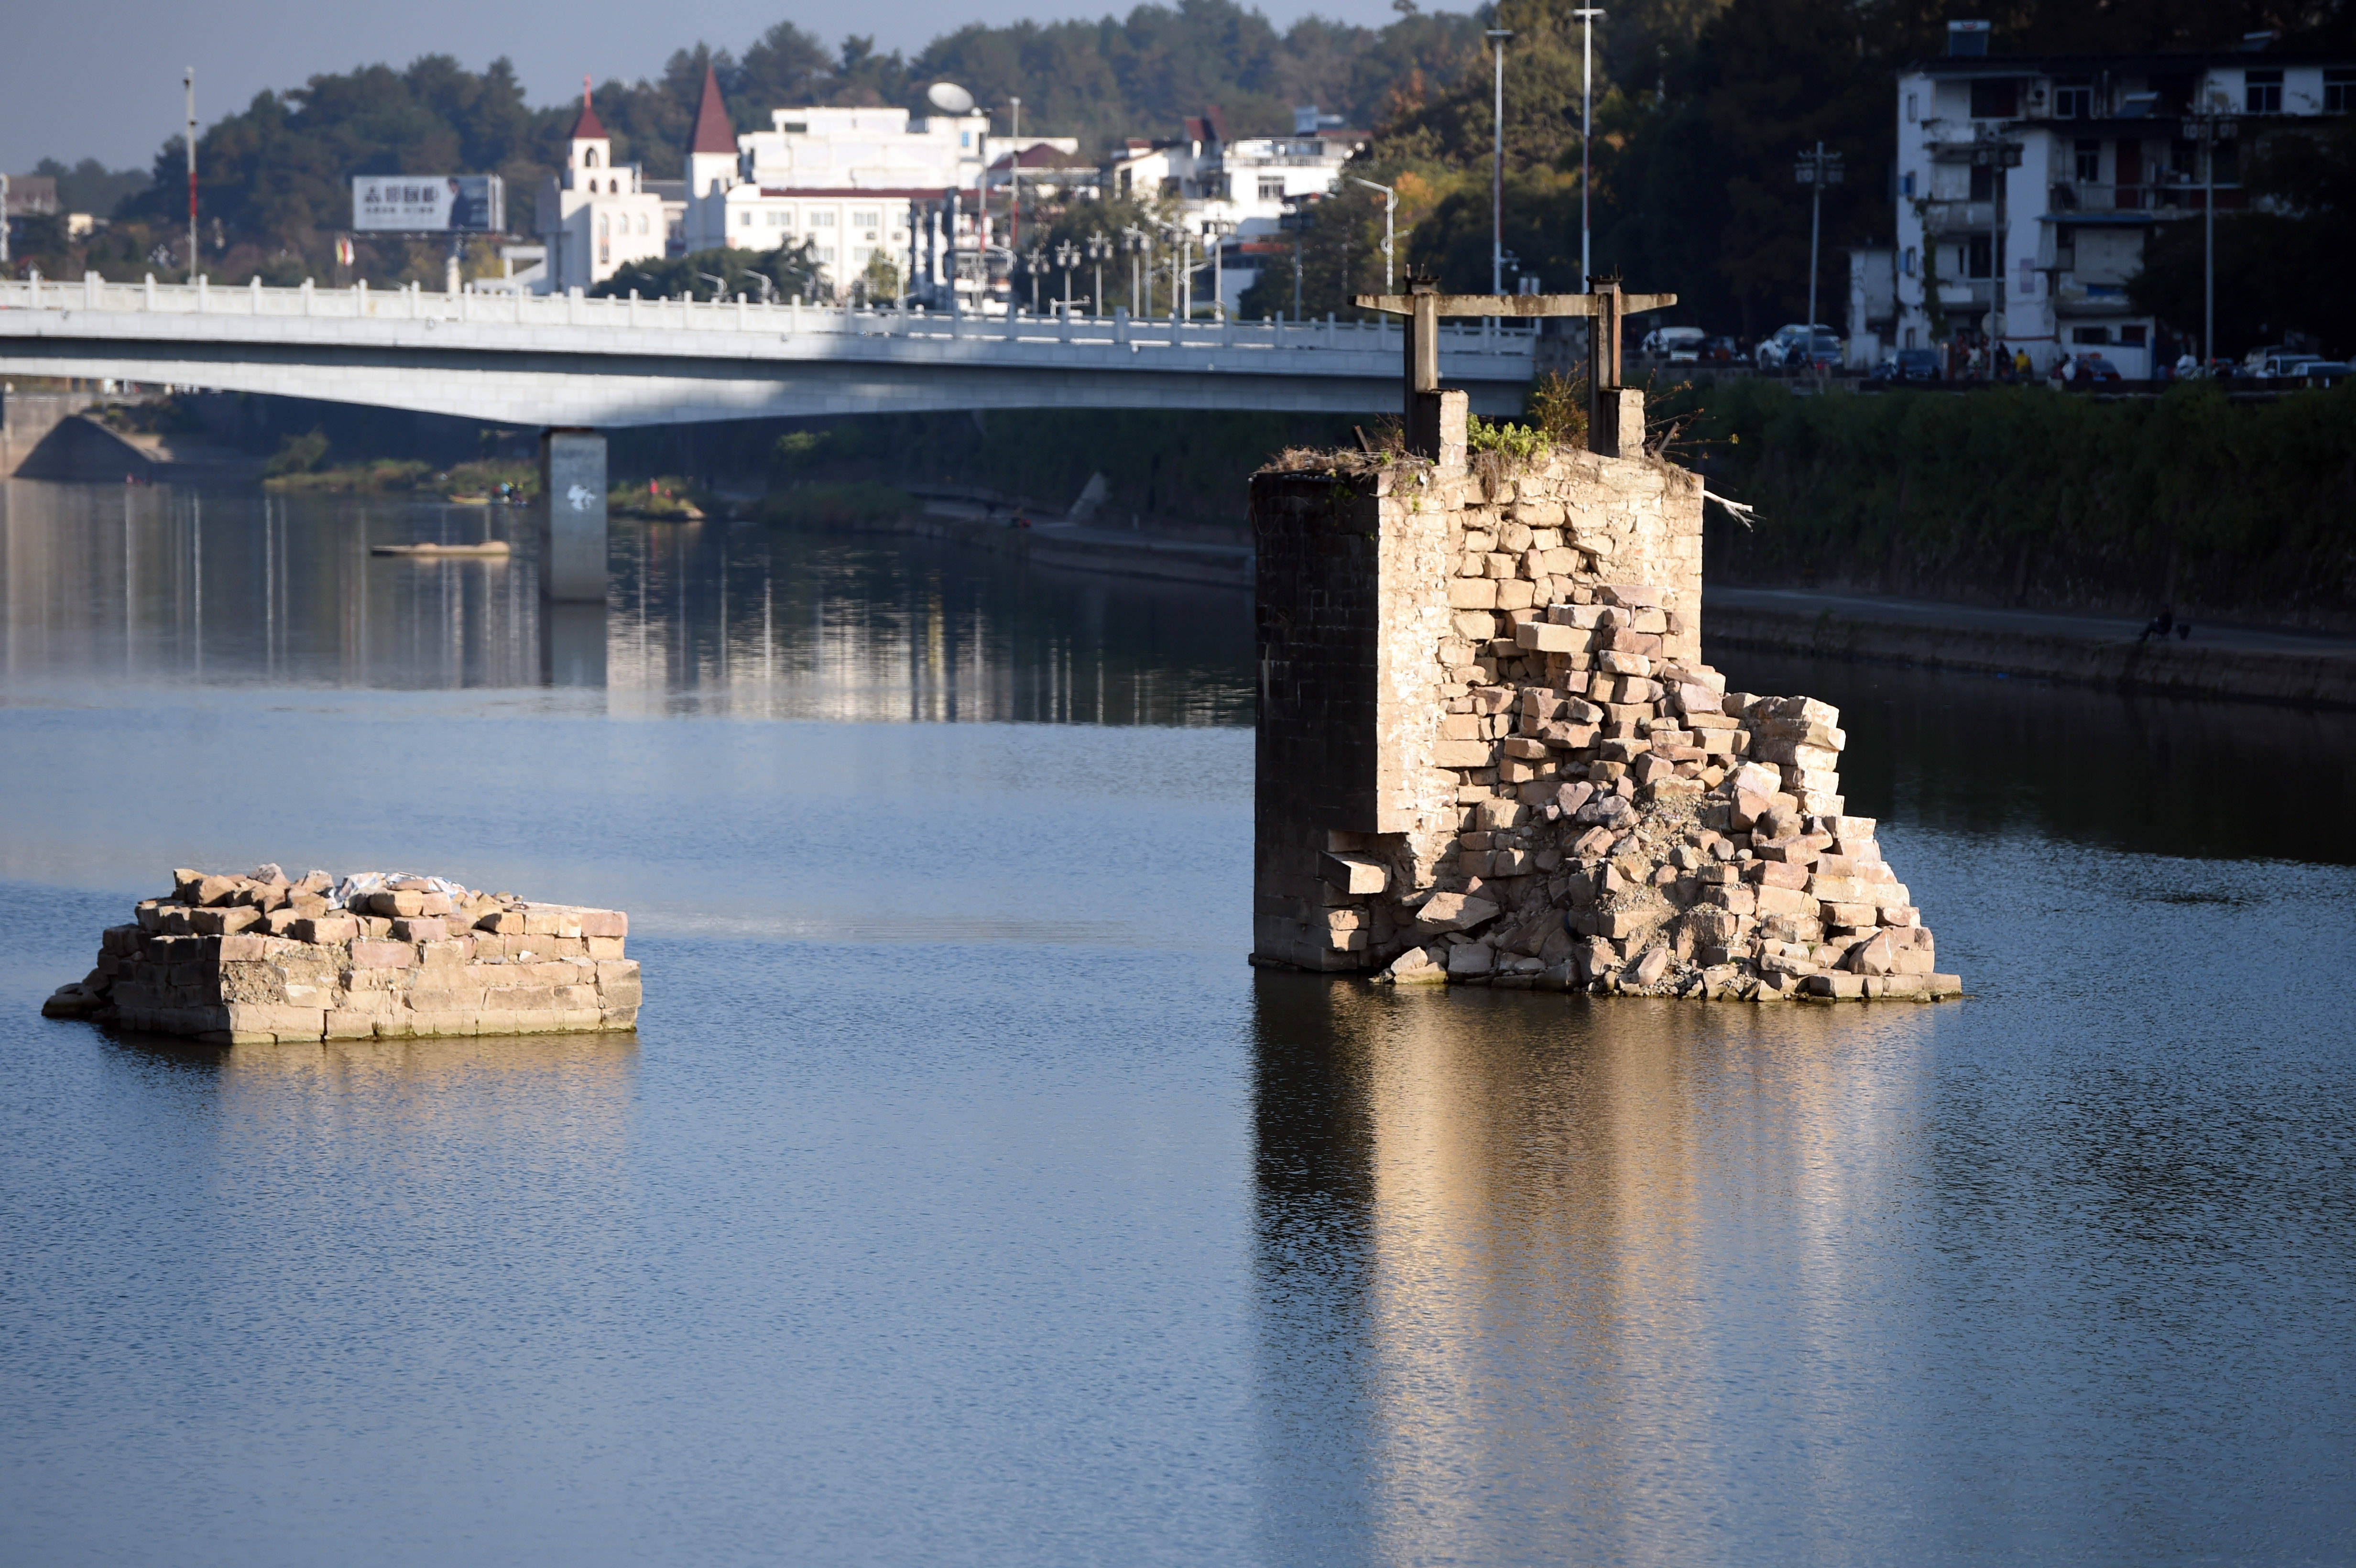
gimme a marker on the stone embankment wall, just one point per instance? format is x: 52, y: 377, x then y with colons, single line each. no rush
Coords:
x: 263, y: 960
x: 1489, y: 752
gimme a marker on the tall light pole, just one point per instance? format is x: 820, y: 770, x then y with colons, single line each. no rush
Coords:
x: 190, y: 82
x: 1390, y: 232
x: 1586, y: 129
x: 1817, y: 170
x: 1497, y: 37
x: 2203, y: 126
x: 1099, y: 247
x: 1014, y: 181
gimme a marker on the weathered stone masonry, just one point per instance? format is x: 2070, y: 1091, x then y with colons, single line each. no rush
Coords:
x: 1488, y: 751
x: 261, y: 959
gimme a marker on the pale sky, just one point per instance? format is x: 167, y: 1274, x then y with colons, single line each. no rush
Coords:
x: 101, y: 79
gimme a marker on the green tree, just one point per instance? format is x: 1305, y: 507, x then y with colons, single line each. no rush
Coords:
x: 791, y: 269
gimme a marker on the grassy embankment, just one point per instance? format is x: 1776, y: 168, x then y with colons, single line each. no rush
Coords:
x: 2241, y: 509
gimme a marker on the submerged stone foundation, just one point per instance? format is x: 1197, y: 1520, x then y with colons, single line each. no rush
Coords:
x: 265, y: 959
x: 1489, y: 753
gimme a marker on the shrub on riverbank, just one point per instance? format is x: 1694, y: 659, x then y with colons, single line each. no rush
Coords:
x: 839, y: 505
x: 396, y: 476
x: 2021, y: 495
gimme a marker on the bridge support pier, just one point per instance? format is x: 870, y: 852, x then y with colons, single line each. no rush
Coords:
x: 573, y: 515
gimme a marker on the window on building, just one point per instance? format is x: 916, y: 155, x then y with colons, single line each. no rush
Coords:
x: 1976, y: 254
x: 744, y: 220
x: 2262, y: 91
x: 866, y: 220
x: 2089, y: 337
x: 965, y: 138
x: 1906, y: 183
x: 821, y: 219
x: 826, y: 254
x: 2339, y: 91
x: 1983, y: 183
x: 2132, y: 336
x: 1910, y: 109
x: 2074, y: 97
x: 1909, y: 262
x: 1272, y: 190
x: 589, y: 157
x: 2089, y: 162
x: 1995, y: 100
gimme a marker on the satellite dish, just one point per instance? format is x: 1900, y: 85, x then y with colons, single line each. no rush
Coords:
x: 949, y: 98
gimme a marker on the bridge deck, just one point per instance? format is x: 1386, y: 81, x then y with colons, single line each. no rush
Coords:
x: 567, y: 359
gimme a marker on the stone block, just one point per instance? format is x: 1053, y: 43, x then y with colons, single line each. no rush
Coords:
x: 1545, y: 637
x: 1840, y: 986
x: 422, y: 928
x: 370, y: 955
x: 326, y: 930
x: 1471, y: 593
x: 1453, y: 912
x: 1462, y: 754
x: 1353, y: 874
x: 1783, y: 900
x: 605, y: 922
x: 223, y: 921
x: 278, y: 1020
x: 1471, y: 958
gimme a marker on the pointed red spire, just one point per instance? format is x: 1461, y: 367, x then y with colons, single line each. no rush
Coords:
x: 712, y: 132
x: 589, y: 128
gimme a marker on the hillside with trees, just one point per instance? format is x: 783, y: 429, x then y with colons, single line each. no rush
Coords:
x: 1700, y: 107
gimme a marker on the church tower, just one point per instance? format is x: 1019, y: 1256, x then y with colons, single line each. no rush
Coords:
x: 711, y: 165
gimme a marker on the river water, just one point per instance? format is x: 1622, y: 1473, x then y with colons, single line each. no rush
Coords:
x: 965, y: 1198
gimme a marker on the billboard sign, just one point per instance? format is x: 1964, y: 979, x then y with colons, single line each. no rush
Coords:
x: 428, y: 204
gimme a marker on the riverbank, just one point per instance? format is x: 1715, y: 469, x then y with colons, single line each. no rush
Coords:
x: 2247, y: 663
x: 975, y: 519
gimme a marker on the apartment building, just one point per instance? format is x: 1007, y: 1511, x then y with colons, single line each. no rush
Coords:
x: 2027, y: 189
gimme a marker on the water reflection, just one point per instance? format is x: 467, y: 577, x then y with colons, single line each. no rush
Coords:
x: 144, y: 586
x: 1543, y: 1276
x: 1983, y: 755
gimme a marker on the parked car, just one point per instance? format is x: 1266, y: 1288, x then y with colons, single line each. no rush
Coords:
x: 1677, y: 345
x: 1771, y: 353
x: 1720, y: 351
x: 1908, y: 365
x: 2285, y: 367
x: 2095, y: 367
x: 2323, y: 372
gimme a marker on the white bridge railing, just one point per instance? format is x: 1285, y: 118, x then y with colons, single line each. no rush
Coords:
x: 1507, y: 341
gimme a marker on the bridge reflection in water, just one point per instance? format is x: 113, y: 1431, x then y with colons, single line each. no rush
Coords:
x: 1541, y: 1275
x: 156, y: 586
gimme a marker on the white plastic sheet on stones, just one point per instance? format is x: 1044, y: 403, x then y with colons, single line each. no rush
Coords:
x: 356, y: 885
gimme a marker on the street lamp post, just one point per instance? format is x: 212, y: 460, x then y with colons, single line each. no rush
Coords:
x: 1216, y: 234
x: 1099, y: 247
x: 2204, y: 125
x: 190, y: 82
x: 1586, y: 128
x: 1014, y: 176
x: 1390, y: 234
x: 1067, y: 256
x: 1036, y: 262
x: 1497, y: 37
x: 1816, y: 170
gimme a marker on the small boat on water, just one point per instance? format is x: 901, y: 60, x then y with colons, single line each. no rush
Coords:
x: 487, y: 548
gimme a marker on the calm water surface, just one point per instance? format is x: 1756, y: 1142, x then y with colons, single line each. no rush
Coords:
x: 964, y: 1198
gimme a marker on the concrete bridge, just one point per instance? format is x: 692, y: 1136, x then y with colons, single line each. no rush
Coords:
x: 576, y: 366
x: 569, y: 361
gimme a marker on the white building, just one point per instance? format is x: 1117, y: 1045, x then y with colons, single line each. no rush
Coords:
x: 847, y: 181
x: 1237, y: 188
x: 2032, y: 185
x: 595, y: 217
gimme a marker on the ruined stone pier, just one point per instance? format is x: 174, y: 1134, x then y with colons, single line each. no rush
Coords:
x: 1489, y: 752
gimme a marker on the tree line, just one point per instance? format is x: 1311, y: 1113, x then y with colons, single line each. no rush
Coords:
x: 1698, y: 108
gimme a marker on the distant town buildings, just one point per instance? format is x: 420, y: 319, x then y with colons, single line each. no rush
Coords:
x: 596, y: 218
x: 857, y: 183
x: 2028, y: 188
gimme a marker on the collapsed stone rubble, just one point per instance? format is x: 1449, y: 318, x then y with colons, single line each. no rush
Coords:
x: 1534, y: 781
x: 265, y: 958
